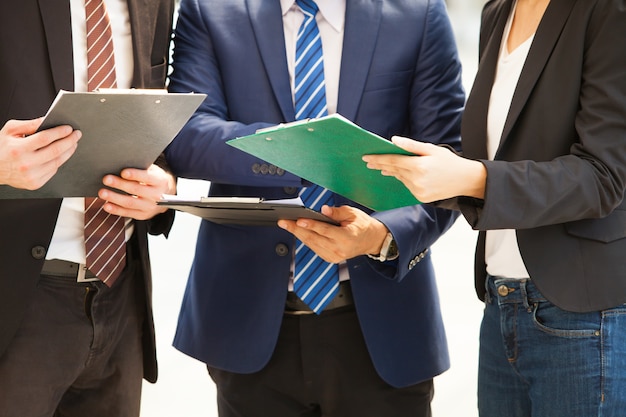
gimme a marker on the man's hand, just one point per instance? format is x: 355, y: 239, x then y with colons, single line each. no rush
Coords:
x: 357, y: 233
x: 28, y: 159
x: 143, y: 189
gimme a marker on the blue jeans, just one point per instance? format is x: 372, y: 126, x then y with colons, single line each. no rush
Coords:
x: 538, y: 360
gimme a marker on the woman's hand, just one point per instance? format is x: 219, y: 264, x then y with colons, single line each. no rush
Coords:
x: 434, y: 173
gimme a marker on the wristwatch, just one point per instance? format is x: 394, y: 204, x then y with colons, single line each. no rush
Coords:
x: 389, y: 250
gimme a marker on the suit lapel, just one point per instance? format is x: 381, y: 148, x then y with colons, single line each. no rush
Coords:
x: 55, y: 15
x: 360, y: 34
x: 546, y: 38
x: 141, y: 17
x: 267, y: 23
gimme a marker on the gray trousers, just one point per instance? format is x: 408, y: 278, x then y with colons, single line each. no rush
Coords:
x: 78, y: 352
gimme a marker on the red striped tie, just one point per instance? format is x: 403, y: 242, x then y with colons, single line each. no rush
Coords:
x: 104, y: 233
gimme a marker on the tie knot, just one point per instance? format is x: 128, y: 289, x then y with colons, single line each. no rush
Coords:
x: 308, y: 7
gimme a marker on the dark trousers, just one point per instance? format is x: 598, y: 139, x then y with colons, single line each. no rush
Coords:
x: 78, y: 352
x: 320, y: 367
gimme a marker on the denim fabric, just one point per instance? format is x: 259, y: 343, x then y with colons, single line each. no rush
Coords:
x: 541, y: 361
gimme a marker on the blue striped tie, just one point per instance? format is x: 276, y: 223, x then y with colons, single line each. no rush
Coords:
x: 316, y: 281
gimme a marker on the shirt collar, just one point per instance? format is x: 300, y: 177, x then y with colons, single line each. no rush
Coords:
x: 332, y: 10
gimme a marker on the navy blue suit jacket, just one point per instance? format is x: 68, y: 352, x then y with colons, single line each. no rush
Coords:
x: 400, y: 75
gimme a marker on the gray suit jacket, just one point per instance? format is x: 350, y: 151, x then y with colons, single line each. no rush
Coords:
x: 559, y: 174
x: 35, y: 62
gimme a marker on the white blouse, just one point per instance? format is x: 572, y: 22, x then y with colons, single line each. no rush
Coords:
x: 502, y: 253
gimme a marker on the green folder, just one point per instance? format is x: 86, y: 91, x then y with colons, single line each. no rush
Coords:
x: 327, y: 151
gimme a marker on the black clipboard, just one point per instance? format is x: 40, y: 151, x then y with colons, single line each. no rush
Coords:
x: 244, y: 211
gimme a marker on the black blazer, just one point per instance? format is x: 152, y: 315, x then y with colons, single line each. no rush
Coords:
x: 559, y: 175
x: 35, y: 62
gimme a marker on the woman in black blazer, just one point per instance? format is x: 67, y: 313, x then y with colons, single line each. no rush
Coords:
x: 542, y: 178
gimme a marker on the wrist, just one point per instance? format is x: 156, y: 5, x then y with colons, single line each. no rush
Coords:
x: 388, y: 250
x: 476, y: 180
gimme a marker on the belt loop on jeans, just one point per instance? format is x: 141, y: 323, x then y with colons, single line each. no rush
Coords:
x: 523, y: 290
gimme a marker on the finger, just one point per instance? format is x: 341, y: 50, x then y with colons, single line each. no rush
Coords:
x: 46, y: 162
x: 145, y: 176
x: 317, y: 227
x: 304, y: 229
x: 57, y: 149
x: 143, y: 213
x: 44, y: 138
x: 385, y: 163
x: 160, y: 181
x: 135, y: 188
x: 22, y: 127
x: 379, y: 161
x: 321, y: 245
x: 413, y: 146
x: 119, y: 199
x: 129, y: 205
x: 308, y: 237
x: 339, y: 214
x: 288, y: 225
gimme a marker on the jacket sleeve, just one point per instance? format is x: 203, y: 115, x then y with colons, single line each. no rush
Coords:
x: 200, y: 150
x: 587, y: 179
x: 436, y: 104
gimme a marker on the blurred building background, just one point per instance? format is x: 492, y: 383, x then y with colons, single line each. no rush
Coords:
x: 184, y: 388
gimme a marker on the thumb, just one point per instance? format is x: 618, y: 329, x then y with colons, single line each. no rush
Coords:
x: 338, y: 214
x: 413, y: 146
x: 24, y: 127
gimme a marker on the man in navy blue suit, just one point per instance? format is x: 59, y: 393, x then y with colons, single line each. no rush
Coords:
x: 392, y: 68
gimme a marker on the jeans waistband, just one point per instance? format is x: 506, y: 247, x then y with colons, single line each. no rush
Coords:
x: 512, y: 290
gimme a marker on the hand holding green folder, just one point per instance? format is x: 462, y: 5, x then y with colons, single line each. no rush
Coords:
x: 328, y: 151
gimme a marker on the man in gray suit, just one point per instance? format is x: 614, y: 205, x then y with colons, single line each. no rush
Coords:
x: 66, y: 347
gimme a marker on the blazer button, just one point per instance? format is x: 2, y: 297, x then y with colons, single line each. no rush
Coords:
x: 280, y: 171
x: 290, y: 190
x: 282, y: 249
x: 265, y: 169
x: 256, y: 168
x: 38, y: 252
x: 272, y: 170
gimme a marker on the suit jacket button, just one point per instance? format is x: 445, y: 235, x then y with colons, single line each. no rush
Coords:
x: 282, y: 249
x: 256, y: 168
x: 265, y: 169
x: 290, y: 190
x: 38, y: 252
x: 280, y: 171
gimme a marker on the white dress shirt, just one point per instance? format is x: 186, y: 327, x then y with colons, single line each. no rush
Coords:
x: 68, y: 239
x: 330, y: 21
